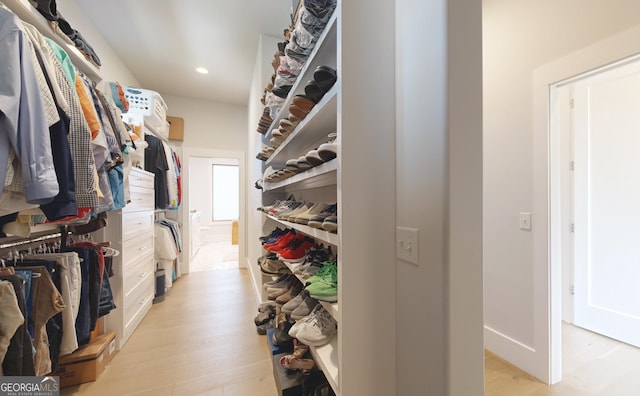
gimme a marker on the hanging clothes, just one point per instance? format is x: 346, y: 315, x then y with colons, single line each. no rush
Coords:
x: 11, y: 318
x: 24, y: 121
x: 18, y: 360
x: 69, y: 270
x: 155, y: 161
x: 47, y: 302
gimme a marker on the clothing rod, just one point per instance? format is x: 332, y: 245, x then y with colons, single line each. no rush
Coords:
x: 31, y: 240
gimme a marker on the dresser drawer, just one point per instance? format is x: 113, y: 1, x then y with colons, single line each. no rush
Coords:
x: 136, y: 272
x: 136, y: 248
x: 137, y: 223
x: 141, y: 178
x: 142, y: 198
x: 137, y: 303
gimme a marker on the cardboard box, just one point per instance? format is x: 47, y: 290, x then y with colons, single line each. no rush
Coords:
x: 88, y: 362
x: 176, y: 128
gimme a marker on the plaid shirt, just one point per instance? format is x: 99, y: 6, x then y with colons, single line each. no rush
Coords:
x: 80, y: 144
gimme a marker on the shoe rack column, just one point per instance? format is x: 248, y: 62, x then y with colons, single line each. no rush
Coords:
x: 366, y: 196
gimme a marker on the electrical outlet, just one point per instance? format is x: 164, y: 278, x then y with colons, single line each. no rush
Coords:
x: 407, y: 245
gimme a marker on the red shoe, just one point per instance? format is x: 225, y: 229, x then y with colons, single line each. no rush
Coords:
x: 281, y: 247
x: 281, y: 242
x: 297, y: 250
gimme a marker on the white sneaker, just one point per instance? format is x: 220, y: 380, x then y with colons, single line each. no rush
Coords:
x: 319, y: 330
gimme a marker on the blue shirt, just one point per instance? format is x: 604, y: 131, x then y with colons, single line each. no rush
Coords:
x: 23, y: 125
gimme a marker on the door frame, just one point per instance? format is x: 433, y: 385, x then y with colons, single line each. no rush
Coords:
x: 547, y: 164
x: 187, y: 154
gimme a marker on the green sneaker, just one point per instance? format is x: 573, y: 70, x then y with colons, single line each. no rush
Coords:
x: 328, y: 271
x: 323, y: 291
x: 324, y: 285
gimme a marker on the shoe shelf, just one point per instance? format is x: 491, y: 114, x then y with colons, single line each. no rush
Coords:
x: 326, y: 357
x: 319, y: 176
x: 332, y: 308
x: 322, y: 235
x: 324, y: 53
x: 310, y: 132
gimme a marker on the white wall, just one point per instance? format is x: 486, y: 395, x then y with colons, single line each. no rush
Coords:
x: 210, y: 125
x: 112, y: 67
x: 200, y: 200
x: 519, y: 37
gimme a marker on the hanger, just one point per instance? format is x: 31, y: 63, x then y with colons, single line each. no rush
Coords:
x: 110, y: 252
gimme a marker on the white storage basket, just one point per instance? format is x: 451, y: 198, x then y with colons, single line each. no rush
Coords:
x: 149, y: 104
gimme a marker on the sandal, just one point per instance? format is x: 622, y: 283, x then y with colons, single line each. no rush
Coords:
x: 291, y: 363
x: 299, y: 349
x: 325, y: 77
x: 313, y: 91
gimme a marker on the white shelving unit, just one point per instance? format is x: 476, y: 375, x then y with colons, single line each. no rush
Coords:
x: 317, y: 184
x: 25, y: 11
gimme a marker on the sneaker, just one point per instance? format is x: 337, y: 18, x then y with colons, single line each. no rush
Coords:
x: 281, y: 242
x: 316, y: 221
x: 324, y: 291
x: 328, y: 272
x: 317, y: 330
x: 274, y: 267
x: 293, y: 291
x: 277, y: 280
x: 282, y: 284
x: 299, y: 210
x: 292, y: 304
x: 330, y: 224
x: 290, y: 242
x: 269, y: 312
x: 313, y: 211
x: 297, y: 250
x: 317, y: 255
x: 304, y: 308
x: 282, y: 324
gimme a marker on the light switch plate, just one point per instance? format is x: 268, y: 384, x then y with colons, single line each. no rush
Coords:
x: 408, y: 245
x: 525, y: 221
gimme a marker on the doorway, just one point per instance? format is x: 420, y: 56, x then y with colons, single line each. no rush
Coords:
x: 214, y: 208
x: 594, y: 206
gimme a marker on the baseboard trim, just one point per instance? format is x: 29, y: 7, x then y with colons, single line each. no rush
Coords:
x: 511, y: 350
x: 255, y: 283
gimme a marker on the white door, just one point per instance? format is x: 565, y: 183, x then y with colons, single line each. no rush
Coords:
x: 607, y: 204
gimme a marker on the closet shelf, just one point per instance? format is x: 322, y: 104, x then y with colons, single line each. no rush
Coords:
x: 324, y: 236
x: 311, y: 132
x: 25, y: 11
x: 319, y: 176
x: 332, y: 308
x: 326, y: 358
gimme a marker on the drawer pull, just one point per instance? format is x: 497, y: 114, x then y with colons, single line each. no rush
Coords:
x: 141, y: 248
x: 142, y: 275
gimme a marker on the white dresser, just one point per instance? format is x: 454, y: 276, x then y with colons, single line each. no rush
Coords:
x: 131, y: 231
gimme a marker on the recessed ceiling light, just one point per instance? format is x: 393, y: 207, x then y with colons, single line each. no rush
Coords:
x: 202, y: 70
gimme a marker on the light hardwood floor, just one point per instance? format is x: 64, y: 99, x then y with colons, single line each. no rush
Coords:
x: 201, y: 341
x: 592, y: 365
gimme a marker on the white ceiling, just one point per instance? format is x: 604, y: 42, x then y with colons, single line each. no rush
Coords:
x: 163, y: 41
